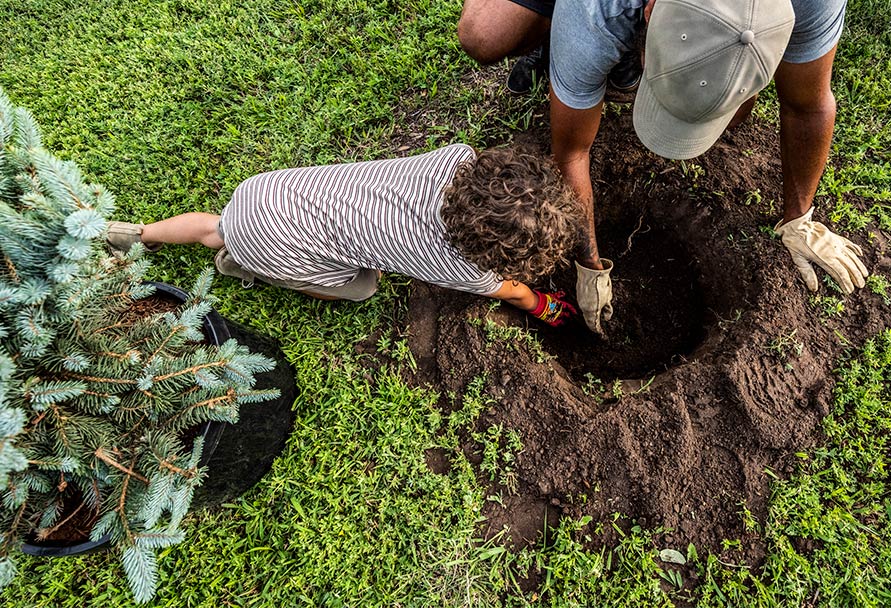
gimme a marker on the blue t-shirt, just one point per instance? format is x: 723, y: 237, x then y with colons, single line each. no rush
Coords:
x: 588, y: 37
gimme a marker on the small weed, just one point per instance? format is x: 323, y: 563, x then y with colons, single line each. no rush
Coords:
x: 750, y: 524
x: 513, y: 336
x: 402, y: 353
x: 673, y: 577
x: 734, y: 318
x: 473, y: 403
x: 738, y: 241
x: 752, y: 198
x: 879, y: 285
x: 849, y: 216
x: 785, y: 346
x: 882, y: 216
x: 594, y: 387
x: 693, y: 172
x: 731, y: 544
x: 500, y: 449
x: 827, y: 306
x: 617, y: 389
x: 831, y: 284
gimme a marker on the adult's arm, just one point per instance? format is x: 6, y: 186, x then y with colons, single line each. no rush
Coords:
x: 572, y: 134
x: 807, y: 119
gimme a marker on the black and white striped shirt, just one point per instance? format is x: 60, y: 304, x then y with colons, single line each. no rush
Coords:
x: 322, y: 224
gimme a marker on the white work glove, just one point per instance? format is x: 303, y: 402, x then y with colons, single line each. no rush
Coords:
x: 594, y: 290
x: 810, y: 241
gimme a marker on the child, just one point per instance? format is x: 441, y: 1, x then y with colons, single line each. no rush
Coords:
x: 477, y: 224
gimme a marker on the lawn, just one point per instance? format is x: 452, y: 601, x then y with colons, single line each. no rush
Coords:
x: 171, y: 104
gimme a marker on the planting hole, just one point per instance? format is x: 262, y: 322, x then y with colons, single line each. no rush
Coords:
x: 658, y: 302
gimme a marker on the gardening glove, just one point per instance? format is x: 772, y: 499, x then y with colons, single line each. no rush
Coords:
x: 810, y: 241
x: 594, y: 290
x: 553, y: 308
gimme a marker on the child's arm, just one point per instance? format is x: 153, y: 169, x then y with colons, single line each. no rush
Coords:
x: 517, y: 294
x: 549, y: 307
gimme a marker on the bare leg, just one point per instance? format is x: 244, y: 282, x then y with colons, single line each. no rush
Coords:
x: 185, y: 229
x: 743, y: 112
x: 490, y: 30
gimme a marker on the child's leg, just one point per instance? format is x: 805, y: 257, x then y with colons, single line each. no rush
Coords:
x: 185, y: 229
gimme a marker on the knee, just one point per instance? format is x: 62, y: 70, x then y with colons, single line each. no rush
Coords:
x: 476, y: 41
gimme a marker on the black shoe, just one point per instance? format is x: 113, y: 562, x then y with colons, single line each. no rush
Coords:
x: 528, y: 70
x: 625, y: 75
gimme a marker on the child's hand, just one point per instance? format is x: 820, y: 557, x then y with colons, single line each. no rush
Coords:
x: 552, y: 308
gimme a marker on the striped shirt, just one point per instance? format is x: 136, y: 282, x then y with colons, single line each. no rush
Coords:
x: 323, y: 224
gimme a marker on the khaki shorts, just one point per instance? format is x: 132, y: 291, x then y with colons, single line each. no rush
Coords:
x: 361, y: 288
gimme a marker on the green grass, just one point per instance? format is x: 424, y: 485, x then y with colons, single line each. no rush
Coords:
x: 171, y: 104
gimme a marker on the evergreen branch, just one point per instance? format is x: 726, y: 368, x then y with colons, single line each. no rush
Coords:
x: 170, y: 467
x: 107, y: 327
x: 124, y: 295
x: 44, y: 533
x: 95, y: 394
x: 8, y: 538
x: 122, y: 513
x: 74, y: 196
x: 61, y: 429
x: 36, y: 421
x: 113, y: 355
x: 190, y: 370
x: 44, y: 463
x: 174, y: 330
x: 101, y: 455
x: 209, y: 403
x: 100, y: 380
x: 10, y: 267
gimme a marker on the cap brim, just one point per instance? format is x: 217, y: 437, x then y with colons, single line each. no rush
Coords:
x: 667, y: 135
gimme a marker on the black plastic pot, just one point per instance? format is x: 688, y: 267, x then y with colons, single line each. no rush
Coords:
x: 236, y: 455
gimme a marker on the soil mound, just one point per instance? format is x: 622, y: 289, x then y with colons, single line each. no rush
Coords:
x: 715, y: 368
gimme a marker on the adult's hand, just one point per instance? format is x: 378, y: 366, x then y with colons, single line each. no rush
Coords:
x: 594, y: 290
x: 809, y: 241
x: 553, y: 308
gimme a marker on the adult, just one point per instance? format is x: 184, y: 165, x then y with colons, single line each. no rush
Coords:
x: 704, y: 64
x: 490, y: 30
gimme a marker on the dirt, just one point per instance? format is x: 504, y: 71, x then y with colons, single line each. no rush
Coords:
x: 679, y: 417
x: 74, y: 525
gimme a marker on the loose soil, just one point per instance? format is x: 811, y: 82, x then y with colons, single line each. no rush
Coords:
x: 675, y: 417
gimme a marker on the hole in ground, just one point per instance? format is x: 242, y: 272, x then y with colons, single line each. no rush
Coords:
x: 659, y: 305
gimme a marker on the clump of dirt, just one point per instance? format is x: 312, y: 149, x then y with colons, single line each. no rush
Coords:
x: 675, y: 417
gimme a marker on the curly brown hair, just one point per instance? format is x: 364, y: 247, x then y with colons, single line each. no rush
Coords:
x: 510, y: 211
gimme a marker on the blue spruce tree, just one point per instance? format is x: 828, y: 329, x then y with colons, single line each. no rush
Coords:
x: 96, y: 399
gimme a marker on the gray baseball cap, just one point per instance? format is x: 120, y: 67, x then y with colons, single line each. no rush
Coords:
x: 703, y: 60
